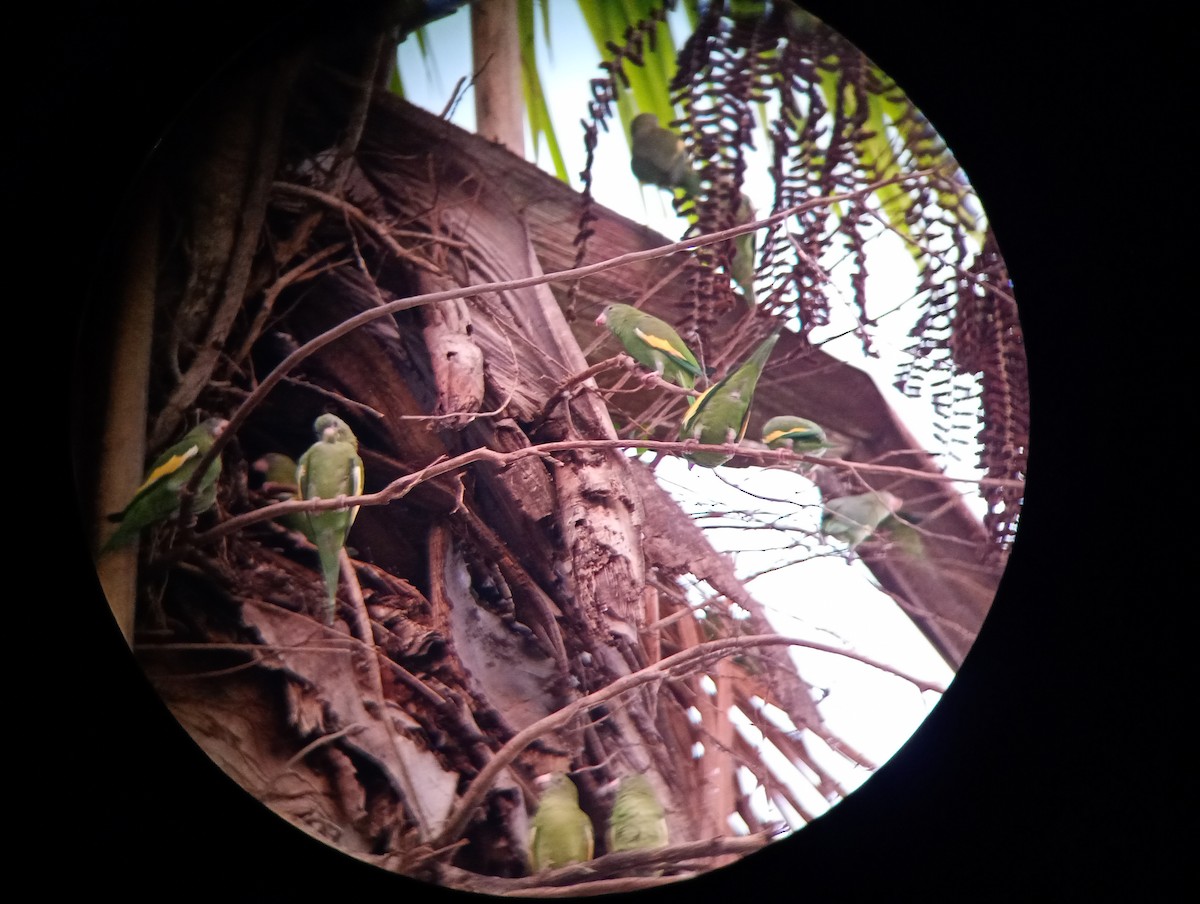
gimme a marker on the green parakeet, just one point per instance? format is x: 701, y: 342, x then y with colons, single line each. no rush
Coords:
x: 330, y: 468
x: 746, y: 11
x: 720, y: 414
x: 278, y: 475
x: 902, y: 535
x: 279, y: 482
x: 741, y: 264
x: 158, y: 496
x: 658, y: 156
x: 560, y: 833
x: 854, y: 518
x: 637, y: 819
x: 796, y: 434
x: 652, y: 343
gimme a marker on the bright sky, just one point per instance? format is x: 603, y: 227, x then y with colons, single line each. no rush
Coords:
x: 825, y: 598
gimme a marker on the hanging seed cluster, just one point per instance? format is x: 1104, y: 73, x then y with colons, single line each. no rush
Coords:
x: 838, y: 126
x: 639, y: 39
x: 718, y: 81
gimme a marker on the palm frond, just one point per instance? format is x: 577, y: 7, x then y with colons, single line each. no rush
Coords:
x: 541, y: 124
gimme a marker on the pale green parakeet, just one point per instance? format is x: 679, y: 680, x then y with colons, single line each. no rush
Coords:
x: 330, y: 468
x: 720, y: 414
x: 796, y: 434
x: 652, y: 343
x: 279, y: 483
x: 560, y: 833
x: 853, y: 519
x: 637, y: 820
x: 741, y: 264
x: 658, y: 156
x: 158, y: 496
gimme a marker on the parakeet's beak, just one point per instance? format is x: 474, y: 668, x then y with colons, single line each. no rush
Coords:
x: 221, y: 425
x: 601, y: 320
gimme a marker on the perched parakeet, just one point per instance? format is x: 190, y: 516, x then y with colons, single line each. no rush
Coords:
x: 720, y: 414
x: 854, y: 518
x: 158, y: 496
x: 279, y: 482
x: 652, y: 343
x: 902, y: 535
x: 637, y: 819
x: 658, y: 156
x: 746, y: 11
x: 796, y: 434
x: 741, y: 264
x: 330, y: 468
x: 560, y: 833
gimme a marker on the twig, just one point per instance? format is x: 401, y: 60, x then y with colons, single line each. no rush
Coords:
x: 377, y: 229
x: 563, y: 391
x: 673, y: 666
x: 337, y: 397
x: 311, y: 266
x: 960, y: 272
x: 593, y: 875
x: 597, y: 887
x: 458, y: 92
x: 401, y: 486
x: 309, y: 748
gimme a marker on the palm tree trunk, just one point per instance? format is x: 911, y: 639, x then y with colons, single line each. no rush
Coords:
x: 499, y: 103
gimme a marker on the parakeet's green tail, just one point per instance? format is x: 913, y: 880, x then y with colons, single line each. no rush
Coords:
x: 720, y: 414
x: 330, y: 570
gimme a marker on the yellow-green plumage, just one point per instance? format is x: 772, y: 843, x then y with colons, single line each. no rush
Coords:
x: 637, y: 820
x: 854, y: 518
x: 560, y: 833
x: 330, y: 468
x: 658, y: 156
x: 720, y: 414
x: 795, y: 433
x: 741, y: 264
x: 279, y: 482
x: 652, y: 342
x: 158, y: 496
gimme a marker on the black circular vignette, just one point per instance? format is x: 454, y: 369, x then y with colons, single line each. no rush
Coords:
x: 1019, y: 780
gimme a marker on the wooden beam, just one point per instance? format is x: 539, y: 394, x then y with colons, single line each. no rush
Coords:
x: 496, y: 56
